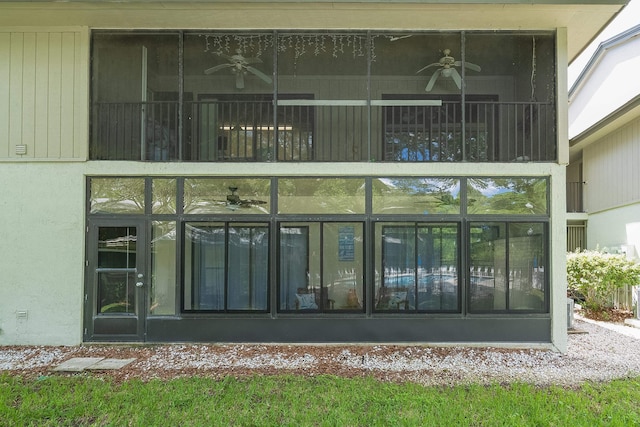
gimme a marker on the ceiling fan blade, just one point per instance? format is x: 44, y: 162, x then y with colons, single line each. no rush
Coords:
x: 252, y: 60
x: 217, y: 68
x: 260, y: 74
x: 430, y: 65
x: 471, y: 66
x: 468, y: 65
x: 456, y: 77
x: 240, y: 80
x: 227, y: 57
x: 432, y: 80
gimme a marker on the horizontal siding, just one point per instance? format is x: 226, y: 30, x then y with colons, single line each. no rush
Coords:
x: 611, y: 171
x: 43, y: 94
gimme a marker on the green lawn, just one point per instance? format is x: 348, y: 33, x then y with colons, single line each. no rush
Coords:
x: 302, y: 401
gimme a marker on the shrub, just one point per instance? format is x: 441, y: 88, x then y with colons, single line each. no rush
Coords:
x: 597, y: 275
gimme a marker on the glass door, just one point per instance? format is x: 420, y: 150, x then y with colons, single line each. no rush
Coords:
x: 115, y: 292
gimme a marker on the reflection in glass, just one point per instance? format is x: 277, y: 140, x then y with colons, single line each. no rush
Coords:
x: 116, y: 292
x: 507, y: 267
x: 321, y: 267
x: 163, y: 268
x: 416, y: 196
x: 487, y: 267
x: 321, y: 195
x: 519, y: 196
x: 417, y: 268
x: 226, y: 266
x: 226, y: 196
x: 116, y: 270
x: 117, y: 195
x: 163, y: 196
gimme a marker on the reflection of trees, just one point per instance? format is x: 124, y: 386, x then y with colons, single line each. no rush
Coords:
x: 164, y: 196
x: 214, y: 191
x: 508, y: 195
x: 116, y: 195
x: 439, y: 195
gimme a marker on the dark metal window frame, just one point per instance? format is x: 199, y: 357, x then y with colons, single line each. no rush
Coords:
x: 368, y: 219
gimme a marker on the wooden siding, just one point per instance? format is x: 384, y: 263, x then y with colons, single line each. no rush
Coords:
x: 43, y: 94
x: 611, y: 171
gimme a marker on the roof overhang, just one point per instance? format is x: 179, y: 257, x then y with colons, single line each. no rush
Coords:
x: 623, y: 115
x: 583, y: 19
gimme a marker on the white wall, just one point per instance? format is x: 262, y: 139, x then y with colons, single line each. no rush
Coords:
x: 42, y: 246
x: 608, y: 229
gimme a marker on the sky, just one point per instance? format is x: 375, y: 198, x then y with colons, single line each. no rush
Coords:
x: 629, y: 17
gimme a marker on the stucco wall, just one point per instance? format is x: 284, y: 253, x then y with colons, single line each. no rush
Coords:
x: 42, y: 245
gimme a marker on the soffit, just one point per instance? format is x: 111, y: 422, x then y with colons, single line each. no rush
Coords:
x: 583, y: 19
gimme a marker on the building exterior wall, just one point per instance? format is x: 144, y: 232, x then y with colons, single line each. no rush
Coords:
x: 43, y: 93
x: 610, y: 170
x: 42, y: 239
x: 44, y: 101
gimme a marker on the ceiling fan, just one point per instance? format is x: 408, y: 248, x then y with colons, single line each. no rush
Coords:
x: 234, y: 201
x: 240, y: 66
x: 447, y: 66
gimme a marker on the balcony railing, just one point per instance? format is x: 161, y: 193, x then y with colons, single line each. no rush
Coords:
x: 310, y: 130
x: 575, y: 196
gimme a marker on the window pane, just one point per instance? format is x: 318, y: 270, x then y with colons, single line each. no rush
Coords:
x: 226, y: 196
x: 117, y: 247
x: 321, y: 266
x: 116, y: 292
x: 248, y: 267
x: 204, y: 266
x: 507, y: 267
x: 343, y: 265
x: 298, y: 283
x: 164, y: 196
x: 488, y: 266
x: 416, y: 196
x: 116, y: 269
x: 321, y: 195
x: 117, y: 195
x: 163, y: 268
x: 226, y: 266
x: 514, y: 196
x: 526, y: 267
x: 419, y: 267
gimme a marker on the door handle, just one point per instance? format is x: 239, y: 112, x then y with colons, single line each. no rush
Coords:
x: 139, y: 284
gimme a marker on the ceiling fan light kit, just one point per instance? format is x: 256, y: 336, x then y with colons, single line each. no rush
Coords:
x: 447, y: 69
x: 240, y: 66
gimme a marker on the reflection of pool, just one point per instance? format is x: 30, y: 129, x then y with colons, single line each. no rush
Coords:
x: 434, y: 292
x: 425, y: 281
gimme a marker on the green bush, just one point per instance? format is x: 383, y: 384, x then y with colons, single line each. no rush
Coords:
x: 597, y: 275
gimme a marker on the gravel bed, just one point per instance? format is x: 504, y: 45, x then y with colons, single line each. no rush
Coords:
x: 599, y: 352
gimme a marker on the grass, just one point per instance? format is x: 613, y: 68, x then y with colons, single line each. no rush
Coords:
x: 308, y: 401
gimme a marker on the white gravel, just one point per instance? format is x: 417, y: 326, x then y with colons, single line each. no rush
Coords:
x: 600, y: 352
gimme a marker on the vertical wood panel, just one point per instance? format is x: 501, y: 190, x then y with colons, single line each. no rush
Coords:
x: 610, y: 168
x: 67, y: 95
x: 55, y: 95
x: 42, y: 95
x: 81, y: 96
x: 29, y: 92
x: 15, y: 92
x: 5, y: 63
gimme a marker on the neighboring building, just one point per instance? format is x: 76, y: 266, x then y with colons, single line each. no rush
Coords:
x: 286, y: 171
x: 604, y: 131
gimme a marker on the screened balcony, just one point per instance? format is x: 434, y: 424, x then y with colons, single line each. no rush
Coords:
x: 307, y: 131
x: 337, y: 102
